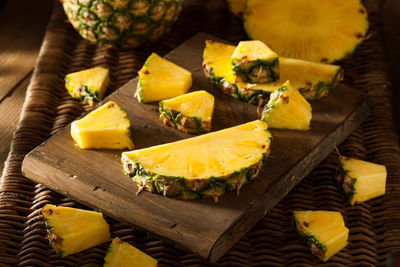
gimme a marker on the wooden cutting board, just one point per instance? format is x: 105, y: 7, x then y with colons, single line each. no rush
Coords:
x: 208, y: 229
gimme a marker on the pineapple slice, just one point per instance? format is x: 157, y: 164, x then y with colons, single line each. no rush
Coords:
x: 254, y: 62
x: 71, y: 230
x: 361, y: 180
x: 203, y: 166
x: 106, y: 127
x: 88, y: 85
x: 237, y: 6
x: 190, y: 113
x: 324, y: 231
x: 161, y: 79
x: 321, y: 31
x: 287, y: 109
x: 122, y: 253
x: 313, y: 80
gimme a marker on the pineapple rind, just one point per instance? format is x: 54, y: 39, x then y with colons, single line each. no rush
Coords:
x: 243, y: 70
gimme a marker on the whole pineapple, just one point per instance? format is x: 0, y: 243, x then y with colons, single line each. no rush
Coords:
x: 122, y: 23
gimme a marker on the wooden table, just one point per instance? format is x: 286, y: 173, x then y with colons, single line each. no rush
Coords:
x: 22, y: 25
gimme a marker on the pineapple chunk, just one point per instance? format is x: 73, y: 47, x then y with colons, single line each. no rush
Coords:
x: 313, y: 80
x: 314, y: 30
x: 287, y: 109
x: 203, y: 166
x: 122, y: 253
x: 361, y: 180
x: 106, y: 127
x: 237, y: 6
x: 254, y: 62
x: 161, y: 79
x: 88, y: 85
x: 71, y: 230
x: 324, y: 231
x: 190, y: 113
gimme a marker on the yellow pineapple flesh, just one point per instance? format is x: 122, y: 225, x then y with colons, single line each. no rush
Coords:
x: 324, y: 231
x: 321, y: 31
x: 361, y: 180
x: 120, y: 254
x: 190, y: 113
x: 71, y: 230
x: 106, y: 127
x: 287, y: 109
x: 88, y: 85
x: 161, y: 79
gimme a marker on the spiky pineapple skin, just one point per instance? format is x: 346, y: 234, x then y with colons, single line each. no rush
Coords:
x: 122, y: 23
x: 186, y: 189
x: 187, y: 124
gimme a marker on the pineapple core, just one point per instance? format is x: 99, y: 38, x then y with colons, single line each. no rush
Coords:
x: 361, y: 180
x: 71, y: 230
x: 287, y: 109
x: 324, y: 231
x: 121, y: 254
x: 161, y: 79
x: 106, y: 127
x: 190, y: 113
x: 254, y: 62
x: 88, y: 85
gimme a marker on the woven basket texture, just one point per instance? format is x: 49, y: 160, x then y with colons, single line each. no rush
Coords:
x: 374, y: 225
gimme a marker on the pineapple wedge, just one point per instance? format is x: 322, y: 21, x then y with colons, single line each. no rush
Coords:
x: 71, y: 230
x: 161, y: 79
x: 254, y: 62
x: 121, y: 254
x: 287, y: 109
x: 314, y: 30
x: 361, y: 180
x: 190, y: 113
x: 106, y: 127
x: 313, y: 80
x: 88, y: 85
x: 324, y: 231
x: 203, y: 166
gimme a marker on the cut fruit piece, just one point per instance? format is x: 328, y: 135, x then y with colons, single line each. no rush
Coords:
x: 204, y: 166
x: 71, y: 230
x: 161, y: 79
x: 190, y: 113
x: 361, y: 180
x: 107, y: 126
x: 323, y: 231
x: 287, y: 109
x: 88, y: 85
x: 237, y: 6
x: 254, y: 62
x: 321, y: 31
x: 313, y: 80
x: 121, y: 253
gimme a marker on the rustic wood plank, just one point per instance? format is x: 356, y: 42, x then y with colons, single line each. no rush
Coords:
x: 208, y: 229
x: 22, y: 25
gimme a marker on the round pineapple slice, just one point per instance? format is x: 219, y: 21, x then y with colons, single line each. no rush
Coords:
x: 322, y: 31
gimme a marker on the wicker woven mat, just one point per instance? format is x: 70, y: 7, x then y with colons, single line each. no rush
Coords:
x: 374, y: 226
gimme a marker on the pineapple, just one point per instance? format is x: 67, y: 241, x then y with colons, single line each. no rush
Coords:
x: 106, y: 127
x: 324, y: 231
x: 313, y: 80
x: 161, y: 79
x: 88, y: 85
x: 122, y: 23
x: 287, y: 109
x: 203, y: 166
x: 121, y: 253
x: 361, y: 180
x: 190, y: 113
x: 237, y: 6
x: 314, y: 30
x: 71, y: 230
x: 254, y: 62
